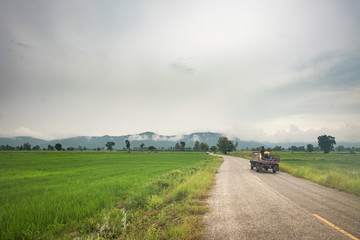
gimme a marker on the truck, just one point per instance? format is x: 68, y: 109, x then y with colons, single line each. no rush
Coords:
x: 265, y: 161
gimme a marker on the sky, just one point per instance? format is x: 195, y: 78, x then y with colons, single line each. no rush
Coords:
x: 258, y: 70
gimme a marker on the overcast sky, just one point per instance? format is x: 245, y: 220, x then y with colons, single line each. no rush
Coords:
x: 258, y: 70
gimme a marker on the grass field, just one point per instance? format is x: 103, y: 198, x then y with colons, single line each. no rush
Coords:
x: 338, y: 170
x: 46, y: 195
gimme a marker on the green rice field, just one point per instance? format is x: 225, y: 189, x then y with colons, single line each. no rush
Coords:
x: 47, y: 195
x: 340, y: 170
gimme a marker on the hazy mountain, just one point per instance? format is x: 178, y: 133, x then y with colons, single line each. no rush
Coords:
x: 149, y: 138
x: 17, y: 141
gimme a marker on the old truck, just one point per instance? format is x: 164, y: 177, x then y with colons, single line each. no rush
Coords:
x: 265, y: 161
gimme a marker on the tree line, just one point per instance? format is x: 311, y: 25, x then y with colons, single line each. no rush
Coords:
x: 325, y: 144
x: 180, y: 146
x: 224, y: 145
x: 27, y: 147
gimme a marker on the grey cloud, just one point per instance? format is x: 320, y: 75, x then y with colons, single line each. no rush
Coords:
x: 66, y: 58
x: 329, y: 71
x: 175, y: 138
x: 157, y: 137
x: 182, y: 67
x: 324, y: 86
x: 23, y: 45
x: 316, y: 61
x: 346, y: 73
x: 137, y: 137
x: 195, y: 138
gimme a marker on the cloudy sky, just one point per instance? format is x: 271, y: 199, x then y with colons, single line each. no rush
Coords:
x: 259, y: 70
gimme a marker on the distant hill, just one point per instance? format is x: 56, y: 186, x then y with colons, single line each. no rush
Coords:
x: 148, y: 138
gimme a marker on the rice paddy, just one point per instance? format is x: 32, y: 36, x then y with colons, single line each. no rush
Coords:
x: 45, y: 195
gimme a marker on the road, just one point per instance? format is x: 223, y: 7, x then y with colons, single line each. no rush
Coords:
x: 245, y: 204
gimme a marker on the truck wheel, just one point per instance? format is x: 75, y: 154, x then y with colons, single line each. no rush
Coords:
x: 258, y: 167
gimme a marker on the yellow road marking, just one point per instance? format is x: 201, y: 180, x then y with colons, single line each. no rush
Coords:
x: 257, y: 178
x: 336, y: 227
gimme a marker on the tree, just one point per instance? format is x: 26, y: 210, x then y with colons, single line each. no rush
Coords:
x: 326, y: 143
x: 293, y: 149
x: 340, y: 148
x: 301, y: 149
x: 142, y: 147
x: 353, y: 150
x: 196, y: 146
x: 177, y: 146
x: 236, y: 145
x: 225, y: 145
x: 278, y: 148
x: 182, y: 146
x: 51, y: 148
x: 204, y: 147
x: 127, y: 143
x: 310, y: 148
x: 213, y: 149
x: 152, y: 148
x: 27, y: 146
x: 58, y: 146
x: 110, y: 145
x: 36, y: 148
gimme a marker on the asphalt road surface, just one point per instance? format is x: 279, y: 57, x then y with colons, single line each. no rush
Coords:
x: 245, y: 204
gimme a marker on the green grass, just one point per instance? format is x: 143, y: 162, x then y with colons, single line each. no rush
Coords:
x: 46, y: 195
x: 338, y: 170
x: 242, y: 154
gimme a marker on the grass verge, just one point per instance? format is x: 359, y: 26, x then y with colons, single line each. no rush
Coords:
x: 337, y: 170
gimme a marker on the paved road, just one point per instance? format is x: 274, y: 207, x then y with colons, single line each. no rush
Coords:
x: 249, y: 205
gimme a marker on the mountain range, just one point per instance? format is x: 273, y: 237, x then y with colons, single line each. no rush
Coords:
x: 149, y: 139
